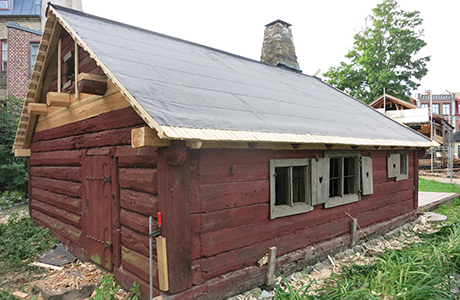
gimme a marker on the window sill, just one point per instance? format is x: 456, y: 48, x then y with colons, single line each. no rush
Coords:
x: 337, y: 201
x: 286, y: 210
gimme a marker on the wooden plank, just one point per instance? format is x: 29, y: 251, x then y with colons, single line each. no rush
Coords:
x: 69, y: 188
x: 143, y: 180
x: 22, y: 295
x: 83, y: 110
x: 124, y: 117
x: 58, y: 99
x: 92, y: 77
x: 62, y: 201
x: 215, y: 174
x: 270, y: 278
x: 77, y: 62
x: 137, y: 157
x: 59, y: 69
x: 143, y: 203
x: 146, y: 137
x: 66, y: 231
x: 92, y: 87
x: 37, y: 109
x: 162, y: 264
x: 45, y: 266
x: 22, y: 152
x: 173, y: 178
x: 367, y: 175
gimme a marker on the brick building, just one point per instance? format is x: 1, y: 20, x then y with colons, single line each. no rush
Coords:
x: 446, y: 105
x: 20, y: 33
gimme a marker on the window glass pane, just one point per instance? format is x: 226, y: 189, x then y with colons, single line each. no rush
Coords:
x: 446, y: 109
x: 33, y: 54
x: 436, y: 108
x: 403, y: 163
x: 4, y: 4
x: 282, y: 185
x: 335, y: 169
x: 349, y: 175
x: 425, y: 105
x: 298, y: 184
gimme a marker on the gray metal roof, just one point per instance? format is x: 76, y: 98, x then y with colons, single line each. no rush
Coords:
x: 24, y: 8
x: 11, y: 24
x: 185, y: 85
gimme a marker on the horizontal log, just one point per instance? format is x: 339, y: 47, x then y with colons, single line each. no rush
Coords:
x: 210, y: 197
x: 139, y: 179
x: 146, y: 137
x: 57, y: 227
x: 238, y: 172
x: 135, y: 221
x: 22, y: 152
x: 92, y: 87
x: 126, y: 279
x: 86, y: 76
x: 57, y: 213
x: 228, y: 218
x: 56, y: 158
x: 140, y: 202
x: 58, y: 99
x: 138, y: 264
x: 68, y: 188
x: 136, y: 241
x: 136, y: 157
x: 37, y: 109
x: 62, y: 173
x: 62, y: 201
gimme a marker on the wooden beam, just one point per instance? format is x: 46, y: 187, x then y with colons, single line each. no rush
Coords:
x: 93, y: 77
x: 194, y: 144
x: 162, y: 257
x: 22, y: 152
x: 37, y: 109
x: 77, y: 60
x: 58, y: 99
x: 270, y: 279
x: 146, y: 137
x: 59, y: 66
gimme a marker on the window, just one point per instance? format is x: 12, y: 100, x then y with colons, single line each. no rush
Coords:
x: 446, y: 109
x: 289, y: 187
x: 4, y: 4
x: 398, y: 165
x: 297, y: 185
x: 33, y: 54
x: 425, y: 105
x: 435, y: 108
x: 4, y: 55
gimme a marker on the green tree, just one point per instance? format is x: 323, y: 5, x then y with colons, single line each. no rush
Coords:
x: 384, y: 55
x: 13, y: 170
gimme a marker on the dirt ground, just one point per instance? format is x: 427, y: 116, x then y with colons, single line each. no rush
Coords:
x: 21, y: 209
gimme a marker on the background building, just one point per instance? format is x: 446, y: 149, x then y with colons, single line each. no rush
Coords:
x: 447, y: 105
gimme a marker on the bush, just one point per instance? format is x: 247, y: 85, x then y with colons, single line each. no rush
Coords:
x: 9, y: 198
x: 13, y: 170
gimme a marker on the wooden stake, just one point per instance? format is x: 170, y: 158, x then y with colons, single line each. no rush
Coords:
x: 354, y: 224
x: 59, y: 67
x: 76, y: 71
x: 270, y: 279
x: 162, y: 264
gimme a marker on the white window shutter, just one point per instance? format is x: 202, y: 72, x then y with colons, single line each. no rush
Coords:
x: 320, y: 180
x: 393, y: 165
x: 366, y: 176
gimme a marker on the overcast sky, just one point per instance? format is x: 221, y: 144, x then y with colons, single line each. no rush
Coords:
x: 322, y: 29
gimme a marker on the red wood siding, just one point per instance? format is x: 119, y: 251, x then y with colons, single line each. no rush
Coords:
x: 56, y: 187
x: 231, y: 228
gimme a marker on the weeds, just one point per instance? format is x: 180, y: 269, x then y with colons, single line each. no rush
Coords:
x: 109, y: 287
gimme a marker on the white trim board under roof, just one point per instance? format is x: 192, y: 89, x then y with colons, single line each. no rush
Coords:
x: 189, y: 91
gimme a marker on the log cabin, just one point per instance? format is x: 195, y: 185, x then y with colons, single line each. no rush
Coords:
x: 242, y: 158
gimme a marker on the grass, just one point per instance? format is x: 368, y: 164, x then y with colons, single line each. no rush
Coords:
x: 420, y: 271
x: 21, y: 241
x: 435, y: 186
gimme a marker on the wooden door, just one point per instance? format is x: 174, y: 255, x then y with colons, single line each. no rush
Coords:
x: 98, y: 193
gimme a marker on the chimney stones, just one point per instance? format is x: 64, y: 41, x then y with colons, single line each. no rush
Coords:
x: 278, y: 46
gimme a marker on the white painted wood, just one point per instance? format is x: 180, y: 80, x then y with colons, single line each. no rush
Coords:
x: 367, y: 175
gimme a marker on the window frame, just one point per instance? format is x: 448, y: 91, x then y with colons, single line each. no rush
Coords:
x: 444, y: 106
x: 32, y: 62
x: 435, y: 111
x: 7, y: 4
x: 292, y: 208
x: 351, y: 197
x: 3, y: 61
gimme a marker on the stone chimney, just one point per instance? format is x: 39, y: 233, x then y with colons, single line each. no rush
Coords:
x: 278, y: 46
